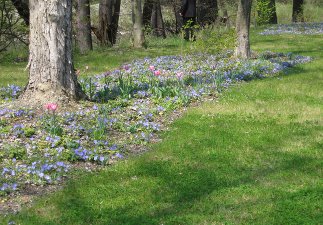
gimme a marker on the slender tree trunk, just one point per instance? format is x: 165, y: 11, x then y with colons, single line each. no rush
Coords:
x: 115, y: 22
x: 138, y: 33
x: 147, y: 12
x: 298, y: 15
x: 84, y: 36
x: 242, y: 27
x: 22, y: 7
x: 273, y: 15
x: 207, y: 11
x: 109, y: 12
x: 178, y: 18
x: 51, y: 71
x: 157, y: 20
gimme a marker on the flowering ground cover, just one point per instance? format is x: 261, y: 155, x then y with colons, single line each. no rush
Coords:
x: 129, y: 106
x: 295, y: 28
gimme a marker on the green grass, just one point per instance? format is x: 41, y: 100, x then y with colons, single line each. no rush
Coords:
x: 96, y: 62
x: 253, y: 157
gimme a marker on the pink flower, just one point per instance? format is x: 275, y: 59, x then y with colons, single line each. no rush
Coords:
x: 152, y: 68
x: 179, y: 75
x: 51, y: 106
x: 157, y: 73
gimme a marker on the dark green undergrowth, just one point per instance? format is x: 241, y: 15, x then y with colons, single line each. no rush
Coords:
x: 253, y: 157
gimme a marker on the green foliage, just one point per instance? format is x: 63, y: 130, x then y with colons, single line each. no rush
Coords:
x: 264, y: 12
x: 214, y: 39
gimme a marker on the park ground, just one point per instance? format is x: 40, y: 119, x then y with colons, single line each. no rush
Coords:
x: 253, y: 156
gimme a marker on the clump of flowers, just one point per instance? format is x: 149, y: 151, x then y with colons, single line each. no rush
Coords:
x: 132, y: 105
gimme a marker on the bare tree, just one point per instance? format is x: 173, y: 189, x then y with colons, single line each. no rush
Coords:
x: 157, y: 20
x: 298, y: 15
x: 51, y: 71
x: 138, y: 33
x: 109, y: 11
x: 242, y: 27
x: 84, y: 36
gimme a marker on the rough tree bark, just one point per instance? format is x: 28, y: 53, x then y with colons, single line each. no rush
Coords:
x: 84, y: 37
x: 138, y: 33
x: 207, y: 11
x: 109, y: 11
x: 51, y: 71
x: 298, y: 15
x: 157, y: 20
x: 22, y: 7
x: 242, y: 27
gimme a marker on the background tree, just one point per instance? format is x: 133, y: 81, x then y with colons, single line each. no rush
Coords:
x: 298, y: 15
x: 157, y: 20
x: 138, y: 33
x: 266, y: 12
x: 207, y: 11
x: 84, y: 36
x: 147, y: 12
x: 51, y: 71
x: 109, y: 12
x: 242, y: 28
x: 12, y: 28
x: 22, y: 7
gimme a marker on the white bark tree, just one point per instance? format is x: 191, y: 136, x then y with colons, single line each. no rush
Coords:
x: 51, y: 72
x: 242, y: 28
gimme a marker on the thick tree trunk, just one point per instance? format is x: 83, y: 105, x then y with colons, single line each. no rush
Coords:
x: 273, y: 15
x: 298, y: 15
x: 242, y: 27
x: 138, y: 33
x: 108, y: 21
x: 207, y: 11
x: 51, y: 71
x: 84, y: 36
x: 22, y: 7
x: 147, y: 12
x: 157, y: 20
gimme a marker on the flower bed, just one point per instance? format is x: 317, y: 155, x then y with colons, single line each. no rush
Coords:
x: 295, y: 28
x: 131, y: 105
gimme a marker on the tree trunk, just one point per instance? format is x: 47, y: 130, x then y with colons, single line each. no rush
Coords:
x: 157, y: 20
x: 242, y: 27
x: 147, y: 12
x: 115, y: 22
x: 84, y: 36
x: 178, y: 18
x: 138, y: 33
x: 109, y: 12
x: 22, y: 7
x: 298, y: 15
x: 273, y: 14
x: 207, y: 12
x: 51, y: 71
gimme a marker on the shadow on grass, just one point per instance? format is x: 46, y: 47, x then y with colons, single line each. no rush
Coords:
x: 194, y: 174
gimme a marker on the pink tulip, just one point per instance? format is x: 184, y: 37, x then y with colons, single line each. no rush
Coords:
x: 152, y: 68
x: 157, y: 73
x: 51, y: 106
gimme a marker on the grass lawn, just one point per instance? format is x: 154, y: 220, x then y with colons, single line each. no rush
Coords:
x: 252, y: 157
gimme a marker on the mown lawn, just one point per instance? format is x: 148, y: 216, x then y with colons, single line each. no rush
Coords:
x: 252, y: 157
